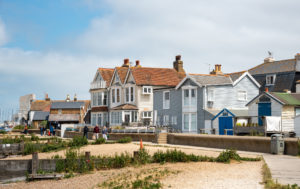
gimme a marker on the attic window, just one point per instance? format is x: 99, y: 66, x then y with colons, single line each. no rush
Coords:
x: 117, y: 78
x: 270, y: 79
x: 147, y: 89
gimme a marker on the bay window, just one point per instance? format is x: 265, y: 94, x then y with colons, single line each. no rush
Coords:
x: 99, y: 98
x: 129, y: 94
x: 190, y: 122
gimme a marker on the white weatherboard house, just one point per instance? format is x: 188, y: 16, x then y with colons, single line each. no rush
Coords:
x: 198, y: 98
x: 269, y: 106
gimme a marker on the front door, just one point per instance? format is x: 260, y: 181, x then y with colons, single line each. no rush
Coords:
x: 225, y: 123
x: 264, y: 109
x: 127, y: 117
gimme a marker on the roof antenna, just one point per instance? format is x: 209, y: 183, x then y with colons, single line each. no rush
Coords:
x: 270, y: 54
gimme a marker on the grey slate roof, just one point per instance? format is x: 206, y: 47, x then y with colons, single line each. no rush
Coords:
x: 40, y: 116
x: 64, y: 117
x: 236, y: 112
x: 288, y: 65
x: 236, y: 75
x: 211, y: 79
x: 66, y: 105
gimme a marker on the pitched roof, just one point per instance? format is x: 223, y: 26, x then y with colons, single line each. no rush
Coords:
x: 204, y: 79
x: 64, y: 117
x: 106, y: 74
x: 40, y: 116
x: 288, y: 98
x: 156, y: 76
x: 67, y: 105
x: 236, y: 75
x: 122, y: 72
x: 40, y: 105
x: 274, y: 67
x: 125, y: 107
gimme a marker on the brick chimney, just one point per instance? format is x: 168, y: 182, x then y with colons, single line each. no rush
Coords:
x: 126, y: 63
x: 178, y: 64
x: 137, y: 64
x: 217, y: 70
x: 47, y: 97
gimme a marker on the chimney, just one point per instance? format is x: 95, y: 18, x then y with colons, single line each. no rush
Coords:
x: 75, y: 98
x: 297, y: 56
x: 217, y: 70
x: 178, y: 64
x: 137, y: 64
x: 268, y: 60
x: 68, y: 98
x: 266, y: 89
x: 47, y: 97
x: 298, y: 86
x: 126, y: 63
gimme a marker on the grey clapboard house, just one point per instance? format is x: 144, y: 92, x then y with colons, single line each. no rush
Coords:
x: 193, y: 104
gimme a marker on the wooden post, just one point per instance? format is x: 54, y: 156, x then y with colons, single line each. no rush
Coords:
x: 87, y: 155
x: 34, y: 163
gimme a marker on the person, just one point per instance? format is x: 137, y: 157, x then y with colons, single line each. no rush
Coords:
x: 54, y: 129
x: 104, y: 132
x: 85, y: 131
x: 51, y: 130
x: 45, y: 131
x: 25, y: 129
x: 96, y: 131
x: 42, y: 131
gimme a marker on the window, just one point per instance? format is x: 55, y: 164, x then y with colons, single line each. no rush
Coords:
x: 94, y: 119
x: 134, y: 116
x: 117, y: 78
x: 190, y: 122
x: 270, y: 79
x: 189, y: 97
x: 113, y: 97
x: 210, y: 95
x: 99, y: 120
x: 147, y: 114
x: 242, y: 95
x: 174, y: 120
x: 118, y: 95
x: 147, y: 89
x: 99, y: 98
x: 116, y: 118
x: 129, y: 94
x: 166, y: 100
x: 158, y: 120
x: 166, y: 119
x: 60, y: 111
x: 297, y: 111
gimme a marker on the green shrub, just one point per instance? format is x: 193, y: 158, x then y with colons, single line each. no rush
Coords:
x: 99, y: 141
x: 125, y: 140
x: 30, y: 148
x: 78, y: 141
x: 122, y: 160
x: 10, y: 140
x: 34, y: 137
x: 227, y: 155
x: 142, y: 157
x: 3, y: 132
x: 19, y: 127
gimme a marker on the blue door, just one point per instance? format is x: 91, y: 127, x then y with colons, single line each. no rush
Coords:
x: 264, y: 109
x: 225, y: 123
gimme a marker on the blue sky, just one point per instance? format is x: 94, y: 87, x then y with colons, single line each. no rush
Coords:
x: 56, y: 46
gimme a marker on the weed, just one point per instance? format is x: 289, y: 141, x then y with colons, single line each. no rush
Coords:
x: 142, y: 157
x: 78, y: 142
x: 3, y: 132
x: 99, y: 141
x: 125, y: 140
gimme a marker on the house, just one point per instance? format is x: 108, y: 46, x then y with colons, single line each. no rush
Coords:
x: 276, y: 105
x: 127, y: 92
x: 277, y: 76
x: 39, y: 111
x: 24, y: 108
x: 191, y: 106
x: 68, y: 112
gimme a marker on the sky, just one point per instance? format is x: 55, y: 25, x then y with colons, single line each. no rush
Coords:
x: 56, y: 46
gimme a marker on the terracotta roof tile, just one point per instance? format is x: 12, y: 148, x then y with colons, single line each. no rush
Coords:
x: 40, y: 105
x: 106, y: 74
x: 125, y: 107
x: 157, y: 76
x: 122, y: 72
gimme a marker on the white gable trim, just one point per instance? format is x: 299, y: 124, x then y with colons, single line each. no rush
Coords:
x: 264, y: 94
x: 113, y: 77
x: 185, y: 79
x: 127, y: 76
x: 96, y: 75
x: 244, y: 75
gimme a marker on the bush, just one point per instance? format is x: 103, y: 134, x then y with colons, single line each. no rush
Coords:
x: 99, y: 141
x: 34, y: 137
x: 78, y: 141
x: 10, y: 140
x: 143, y: 157
x: 227, y: 155
x: 125, y: 140
x: 19, y: 127
x: 3, y: 132
x: 30, y: 148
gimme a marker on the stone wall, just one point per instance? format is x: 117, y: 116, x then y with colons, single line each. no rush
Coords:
x: 243, y: 143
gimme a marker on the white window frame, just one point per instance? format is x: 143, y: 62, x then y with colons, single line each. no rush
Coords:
x: 116, y: 118
x: 210, y: 98
x: 190, y: 102
x: 131, y: 94
x: 166, y: 103
x: 166, y: 120
x: 189, y: 122
x: 268, y: 79
x: 147, y: 90
x: 240, y: 96
x: 174, y: 120
x: 147, y: 114
x: 96, y: 101
x: 114, y: 97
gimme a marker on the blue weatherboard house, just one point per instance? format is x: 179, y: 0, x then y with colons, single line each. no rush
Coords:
x: 197, y: 103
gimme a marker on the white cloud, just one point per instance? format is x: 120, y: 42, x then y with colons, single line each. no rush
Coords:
x: 3, y: 35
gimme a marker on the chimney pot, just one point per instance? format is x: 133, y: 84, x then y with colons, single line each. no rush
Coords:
x: 178, y: 57
x: 75, y: 97
x: 126, y: 62
x: 267, y: 89
x: 178, y: 64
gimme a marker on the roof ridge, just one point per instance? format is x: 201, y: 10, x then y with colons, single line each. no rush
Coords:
x: 209, y: 75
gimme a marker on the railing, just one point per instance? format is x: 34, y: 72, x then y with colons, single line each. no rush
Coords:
x: 98, y: 85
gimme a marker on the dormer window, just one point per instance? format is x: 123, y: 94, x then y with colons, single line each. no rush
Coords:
x: 270, y: 79
x: 117, y: 78
x: 147, y: 89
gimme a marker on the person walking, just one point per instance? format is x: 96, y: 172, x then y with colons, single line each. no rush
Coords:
x: 25, y: 129
x: 41, y: 130
x: 96, y: 131
x: 85, y: 131
x: 104, y: 133
x: 51, y: 130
